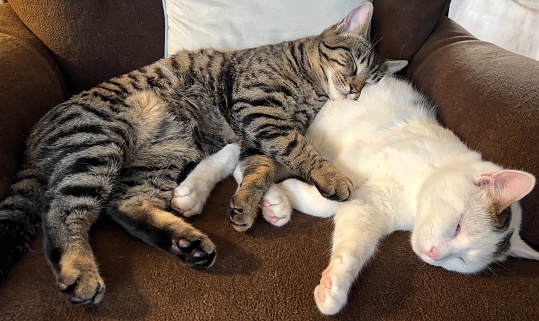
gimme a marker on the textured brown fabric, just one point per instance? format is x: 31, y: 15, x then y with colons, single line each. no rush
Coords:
x: 93, y: 41
x: 30, y: 84
x: 486, y: 95
x: 489, y: 97
x: 268, y: 273
x: 400, y: 27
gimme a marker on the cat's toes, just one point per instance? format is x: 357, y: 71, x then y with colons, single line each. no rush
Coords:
x: 329, y: 295
x: 195, y: 253
x: 275, y: 206
x: 277, y: 213
x: 328, y: 302
x: 243, y: 210
x: 332, y: 184
x: 239, y: 218
x: 79, y: 279
x: 186, y: 201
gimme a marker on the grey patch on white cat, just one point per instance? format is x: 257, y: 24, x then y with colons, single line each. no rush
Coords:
x: 504, y: 245
x: 501, y: 219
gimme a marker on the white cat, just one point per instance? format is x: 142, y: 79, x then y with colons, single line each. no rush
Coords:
x: 412, y: 174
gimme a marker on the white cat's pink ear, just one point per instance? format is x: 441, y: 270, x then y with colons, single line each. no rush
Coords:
x: 357, y: 21
x: 508, y: 186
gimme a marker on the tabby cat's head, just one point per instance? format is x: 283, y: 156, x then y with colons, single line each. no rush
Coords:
x: 347, y: 56
x: 466, y: 222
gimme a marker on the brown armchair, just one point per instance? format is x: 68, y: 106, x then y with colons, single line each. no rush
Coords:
x: 51, y: 49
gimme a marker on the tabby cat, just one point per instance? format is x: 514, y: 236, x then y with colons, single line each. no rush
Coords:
x: 412, y: 174
x: 121, y: 147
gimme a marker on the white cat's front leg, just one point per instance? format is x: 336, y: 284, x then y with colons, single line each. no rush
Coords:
x: 190, y: 197
x: 306, y: 198
x: 282, y: 198
x: 358, y: 228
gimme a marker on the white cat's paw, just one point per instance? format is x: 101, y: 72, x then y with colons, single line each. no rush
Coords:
x: 187, y: 200
x: 331, y: 294
x: 275, y: 207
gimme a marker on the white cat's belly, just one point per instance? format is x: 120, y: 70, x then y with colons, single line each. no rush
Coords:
x: 373, y: 144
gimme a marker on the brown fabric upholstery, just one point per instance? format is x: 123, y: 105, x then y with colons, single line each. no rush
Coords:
x: 30, y: 84
x: 93, y: 41
x: 490, y: 98
x: 270, y: 273
x: 400, y: 28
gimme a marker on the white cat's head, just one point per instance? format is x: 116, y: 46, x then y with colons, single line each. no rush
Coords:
x: 467, y: 221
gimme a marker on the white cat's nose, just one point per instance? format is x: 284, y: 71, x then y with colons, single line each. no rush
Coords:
x: 432, y: 253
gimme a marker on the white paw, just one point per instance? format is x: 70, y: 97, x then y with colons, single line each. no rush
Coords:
x: 187, y: 200
x: 275, y: 206
x: 331, y: 294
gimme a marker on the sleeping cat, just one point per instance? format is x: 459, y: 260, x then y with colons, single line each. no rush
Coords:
x: 121, y: 147
x: 412, y: 174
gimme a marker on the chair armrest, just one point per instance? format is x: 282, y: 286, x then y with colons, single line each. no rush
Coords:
x: 489, y: 97
x: 30, y: 84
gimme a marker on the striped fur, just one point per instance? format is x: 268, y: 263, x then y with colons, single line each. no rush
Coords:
x: 121, y: 147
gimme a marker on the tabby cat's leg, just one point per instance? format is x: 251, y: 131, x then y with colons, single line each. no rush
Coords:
x: 258, y: 172
x: 190, y: 197
x: 275, y: 207
x: 79, y: 184
x: 142, y: 205
x: 292, y: 149
x: 359, y: 225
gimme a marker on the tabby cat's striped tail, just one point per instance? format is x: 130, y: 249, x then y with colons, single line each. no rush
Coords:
x: 19, y: 218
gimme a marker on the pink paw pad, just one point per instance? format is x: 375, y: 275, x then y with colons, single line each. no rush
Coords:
x: 322, y: 296
x: 270, y: 216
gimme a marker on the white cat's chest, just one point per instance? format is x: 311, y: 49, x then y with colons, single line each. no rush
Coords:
x: 386, y: 139
x: 370, y: 139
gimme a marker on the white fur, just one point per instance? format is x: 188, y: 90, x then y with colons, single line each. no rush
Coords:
x: 412, y: 174
x: 190, y: 197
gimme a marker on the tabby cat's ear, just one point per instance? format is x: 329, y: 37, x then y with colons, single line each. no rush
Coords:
x: 507, y: 186
x: 393, y: 66
x: 357, y: 21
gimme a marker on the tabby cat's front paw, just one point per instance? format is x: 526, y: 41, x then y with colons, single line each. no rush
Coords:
x: 77, y: 276
x: 243, y: 209
x: 332, y: 184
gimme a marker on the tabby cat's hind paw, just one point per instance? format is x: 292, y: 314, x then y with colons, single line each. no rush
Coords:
x: 330, y: 295
x: 78, y: 277
x: 197, y: 253
x: 275, y: 207
x: 187, y: 200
